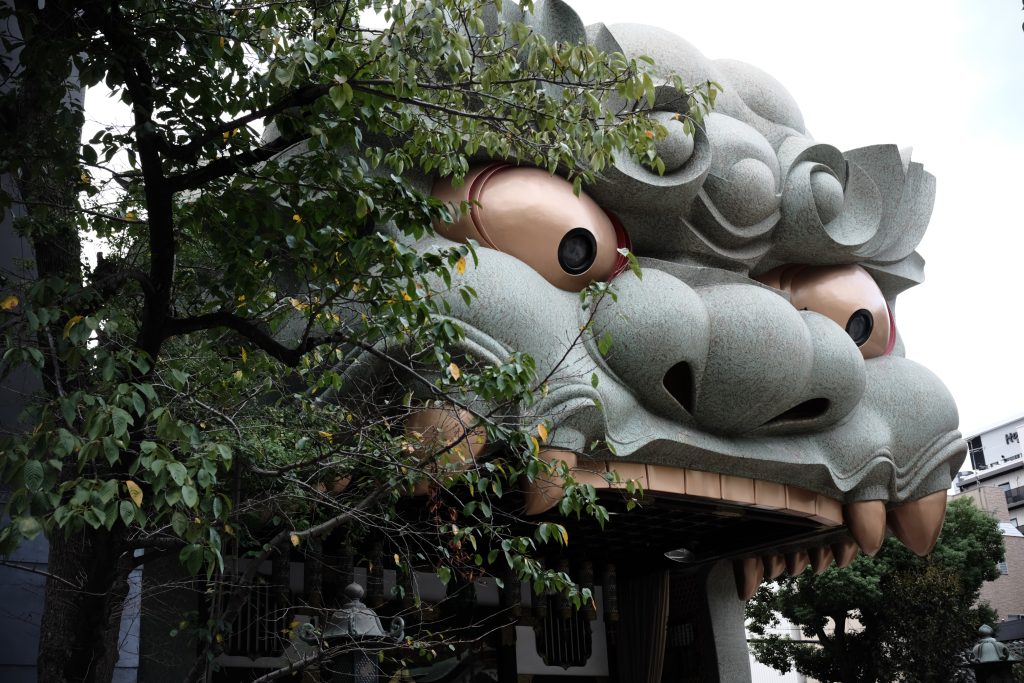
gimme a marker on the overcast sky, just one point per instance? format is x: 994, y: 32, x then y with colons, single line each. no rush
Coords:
x: 944, y: 77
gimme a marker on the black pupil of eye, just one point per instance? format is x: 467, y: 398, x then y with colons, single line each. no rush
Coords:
x: 859, y: 326
x: 577, y: 251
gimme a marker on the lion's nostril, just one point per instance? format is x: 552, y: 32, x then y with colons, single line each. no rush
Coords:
x: 808, y: 410
x: 678, y: 382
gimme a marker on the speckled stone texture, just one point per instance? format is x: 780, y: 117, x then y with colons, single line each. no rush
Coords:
x: 750, y: 191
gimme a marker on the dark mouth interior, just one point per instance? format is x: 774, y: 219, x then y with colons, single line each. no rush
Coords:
x: 808, y: 410
x: 678, y: 382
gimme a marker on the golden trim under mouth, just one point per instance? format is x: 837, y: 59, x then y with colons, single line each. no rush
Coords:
x: 916, y: 523
x: 545, y: 493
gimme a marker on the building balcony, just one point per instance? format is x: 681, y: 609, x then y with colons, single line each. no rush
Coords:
x: 1015, y: 496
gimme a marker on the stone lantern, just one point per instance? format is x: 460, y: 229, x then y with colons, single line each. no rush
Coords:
x: 991, y: 660
x: 357, y: 624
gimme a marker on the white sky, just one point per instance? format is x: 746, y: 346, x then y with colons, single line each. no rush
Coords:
x: 945, y: 77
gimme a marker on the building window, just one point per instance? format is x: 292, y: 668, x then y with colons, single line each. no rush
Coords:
x: 977, y: 453
x: 1003, y: 569
x: 1005, y: 486
x: 1013, y: 521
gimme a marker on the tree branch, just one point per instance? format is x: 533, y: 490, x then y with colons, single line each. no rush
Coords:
x: 190, y: 151
x: 249, y: 329
x: 33, y: 570
x: 225, y: 166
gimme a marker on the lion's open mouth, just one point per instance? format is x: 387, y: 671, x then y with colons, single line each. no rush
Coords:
x: 766, y: 527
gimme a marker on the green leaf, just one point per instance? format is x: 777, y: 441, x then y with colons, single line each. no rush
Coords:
x: 189, y: 496
x: 121, y: 419
x: 444, y: 574
x: 32, y: 474
x: 107, y: 491
x: 191, y: 556
x: 127, y: 511
x: 66, y: 443
x: 340, y: 95
x: 29, y: 527
x: 139, y: 404
x: 178, y: 473
x: 179, y: 523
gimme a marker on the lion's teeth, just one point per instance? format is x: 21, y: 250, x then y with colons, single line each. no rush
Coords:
x: 796, y: 562
x: 773, y: 566
x: 918, y: 522
x: 866, y: 521
x: 821, y: 558
x: 845, y: 552
x: 749, y: 572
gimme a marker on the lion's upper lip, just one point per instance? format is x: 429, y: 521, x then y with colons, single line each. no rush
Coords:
x: 857, y: 459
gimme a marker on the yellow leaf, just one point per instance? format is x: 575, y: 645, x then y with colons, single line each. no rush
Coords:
x: 536, y: 446
x: 543, y: 431
x: 9, y: 303
x: 649, y: 133
x: 220, y: 638
x: 129, y: 215
x: 297, y: 218
x: 86, y: 178
x: 294, y: 624
x: 565, y: 534
x: 406, y: 297
x: 460, y: 266
x: 71, y: 323
x: 134, y: 491
x: 454, y: 370
x: 327, y: 435
x: 295, y: 540
x: 229, y: 530
x: 245, y: 356
x: 222, y: 41
x: 398, y: 560
x: 237, y: 374
x: 298, y: 305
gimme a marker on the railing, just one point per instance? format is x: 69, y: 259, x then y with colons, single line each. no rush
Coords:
x: 1014, y: 496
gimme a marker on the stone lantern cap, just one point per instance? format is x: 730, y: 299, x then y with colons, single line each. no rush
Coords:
x: 989, y: 650
x: 356, y: 620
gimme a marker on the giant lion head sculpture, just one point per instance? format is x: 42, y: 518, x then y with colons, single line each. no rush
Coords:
x: 755, y: 363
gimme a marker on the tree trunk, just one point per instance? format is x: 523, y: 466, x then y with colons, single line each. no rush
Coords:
x: 79, y: 631
x: 85, y: 593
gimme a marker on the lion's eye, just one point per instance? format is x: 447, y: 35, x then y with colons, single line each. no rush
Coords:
x: 846, y: 294
x: 534, y: 216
